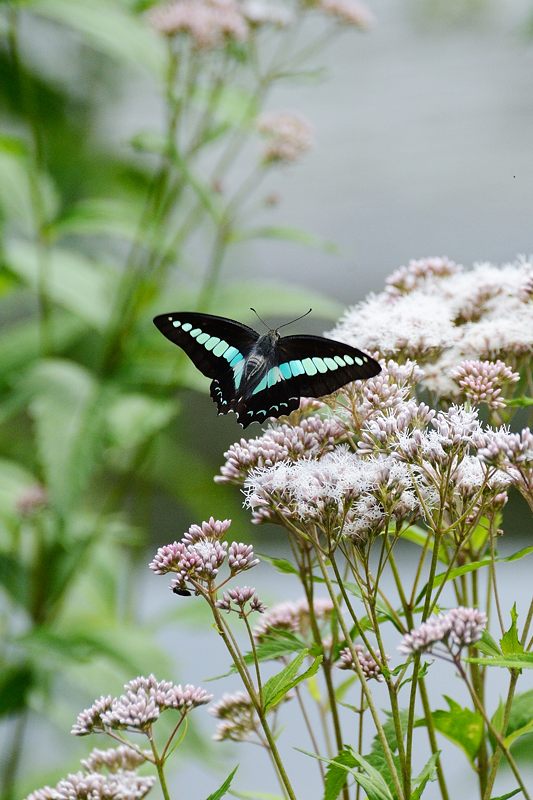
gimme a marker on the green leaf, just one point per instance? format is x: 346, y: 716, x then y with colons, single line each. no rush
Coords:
x: 109, y: 28
x: 460, y: 725
x: 518, y: 661
x: 520, y: 719
x: 279, y: 685
x: 15, y: 480
x: 276, y: 644
x: 510, y: 643
x: 507, y: 795
x: 464, y: 569
x: 520, y: 402
x: 428, y: 774
x: 134, y: 418
x: 20, y: 342
x: 73, y: 281
x: 68, y: 406
x: 222, y: 790
x: 16, y: 201
x: 16, y: 683
x: 99, y: 216
x: 337, y: 774
x: 286, y: 234
x: 419, y: 536
x: 367, y: 776
x: 281, y: 564
x: 488, y: 645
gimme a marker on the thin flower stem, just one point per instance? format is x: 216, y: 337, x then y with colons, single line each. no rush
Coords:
x: 159, y: 767
x: 495, y: 591
x: 12, y: 756
x: 423, y: 696
x: 309, y: 728
x: 368, y: 695
x: 254, y: 653
x: 171, y: 737
x: 360, y: 733
x: 496, y: 734
x: 129, y: 744
x: 527, y: 623
x: 256, y: 700
x: 496, y: 758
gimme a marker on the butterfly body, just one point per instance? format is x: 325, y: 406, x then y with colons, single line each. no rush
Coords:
x: 260, y: 376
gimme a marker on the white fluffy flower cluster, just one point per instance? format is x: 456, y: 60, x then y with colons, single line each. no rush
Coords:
x: 439, y: 314
x: 341, y: 491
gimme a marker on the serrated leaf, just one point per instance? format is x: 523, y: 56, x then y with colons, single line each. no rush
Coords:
x: 337, y: 774
x: 277, y: 687
x: 520, y: 719
x: 109, y: 28
x: 222, y: 790
x: 428, y: 774
x: 488, y: 645
x: 460, y: 725
x: 72, y: 281
x: 276, y: 644
x: 367, y: 776
x: 510, y: 643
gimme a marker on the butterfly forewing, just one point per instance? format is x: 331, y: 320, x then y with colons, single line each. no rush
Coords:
x: 215, y: 345
x: 321, y: 366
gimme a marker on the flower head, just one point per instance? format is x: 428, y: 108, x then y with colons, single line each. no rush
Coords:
x: 208, y: 23
x: 114, y: 759
x: 456, y: 629
x: 348, y: 12
x: 263, y: 12
x: 484, y: 381
x: 241, y: 557
x: 238, y: 598
x: 237, y: 715
x: 293, y: 616
x: 368, y: 664
x: 289, y: 136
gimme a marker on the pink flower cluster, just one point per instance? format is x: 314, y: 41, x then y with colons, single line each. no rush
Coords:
x: 197, y: 558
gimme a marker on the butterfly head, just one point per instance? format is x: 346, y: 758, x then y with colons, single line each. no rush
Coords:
x: 273, y: 333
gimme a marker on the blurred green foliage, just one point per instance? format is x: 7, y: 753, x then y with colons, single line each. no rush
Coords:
x: 97, y: 236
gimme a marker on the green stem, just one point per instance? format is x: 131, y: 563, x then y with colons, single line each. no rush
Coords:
x: 496, y: 734
x: 13, y: 754
x: 368, y: 695
x: 159, y: 765
x: 256, y: 700
x: 496, y: 758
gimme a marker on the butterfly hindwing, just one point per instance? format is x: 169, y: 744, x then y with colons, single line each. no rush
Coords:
x: 320, y: 366
x: 215, y: 345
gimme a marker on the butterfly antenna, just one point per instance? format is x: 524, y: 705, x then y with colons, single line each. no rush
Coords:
x: 295, y: 320
x: 260, y: 318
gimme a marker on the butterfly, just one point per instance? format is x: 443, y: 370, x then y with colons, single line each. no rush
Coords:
x: 260, y: 376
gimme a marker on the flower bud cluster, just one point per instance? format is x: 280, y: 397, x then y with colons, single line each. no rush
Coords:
x: 241, y: 599
x: 289, y: 136
x: 458, y: 628
x: 210, y: 24
x: 312, y: 436
x: 141, y: 704
x: 484, y: 381
x: 369, y: 666
x: 197, y: 558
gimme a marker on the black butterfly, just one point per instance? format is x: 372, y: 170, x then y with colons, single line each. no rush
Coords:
x: 263, y: 376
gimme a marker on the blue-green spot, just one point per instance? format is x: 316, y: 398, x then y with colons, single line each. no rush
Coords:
x: 203, y: 337
x: 349, y: 360
x: 285, y: 369
x: 273, y: 376
x: 211, y: 342
x: 319, y: 364
x: 260, y: 386
x: 340, y: 361
x: 230, y: 352
x: 359, y: 361
x: 196, y: 332
x: 186, y: 326
x: 296, y: 368
x: 309, y: 367
x: 238, y: 371
x: 236, y: 359
x: 220, y: 348
x: 331, y: 363
x: 176, y: 323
